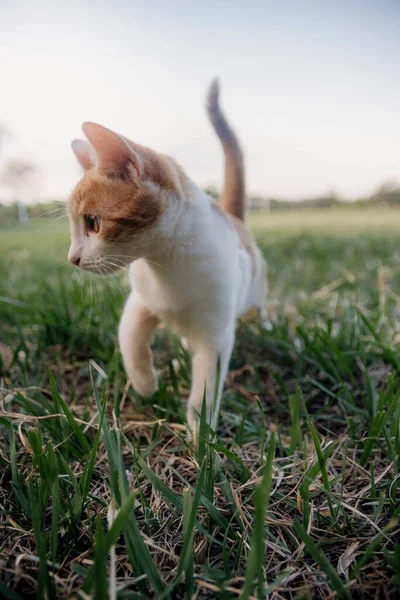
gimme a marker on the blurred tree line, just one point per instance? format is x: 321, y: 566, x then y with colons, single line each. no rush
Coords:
x: 18, y: 176
x: 10, y: 213
x: 387, y: 194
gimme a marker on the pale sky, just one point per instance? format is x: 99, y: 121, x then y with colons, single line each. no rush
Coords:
x: 311, y: 87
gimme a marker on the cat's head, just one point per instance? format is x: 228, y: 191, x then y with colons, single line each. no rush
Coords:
x: 117, y: 208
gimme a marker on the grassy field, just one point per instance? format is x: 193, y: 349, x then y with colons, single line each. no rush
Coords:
x: 297, y: 496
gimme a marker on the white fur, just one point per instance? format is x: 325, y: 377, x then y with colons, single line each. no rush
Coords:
x: 193, y: 272
x: 198, y: 279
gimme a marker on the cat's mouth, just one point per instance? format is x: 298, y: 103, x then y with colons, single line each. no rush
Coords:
x: 100, y: 266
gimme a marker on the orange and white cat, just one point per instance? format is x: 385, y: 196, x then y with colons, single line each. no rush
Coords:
x: 193, y: 264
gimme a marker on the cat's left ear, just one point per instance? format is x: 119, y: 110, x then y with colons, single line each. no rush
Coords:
x: 113, y: 151
x: 83, y: 153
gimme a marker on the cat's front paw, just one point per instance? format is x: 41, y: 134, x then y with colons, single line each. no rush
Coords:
x: 144, y: 383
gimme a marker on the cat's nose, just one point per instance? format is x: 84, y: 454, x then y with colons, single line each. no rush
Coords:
x: 75, y: 261
x: 74, y: 258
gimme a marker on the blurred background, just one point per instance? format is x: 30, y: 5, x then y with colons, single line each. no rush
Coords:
x: 311, y: 87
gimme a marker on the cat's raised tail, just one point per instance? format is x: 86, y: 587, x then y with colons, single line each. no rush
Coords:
x: 233, y: 201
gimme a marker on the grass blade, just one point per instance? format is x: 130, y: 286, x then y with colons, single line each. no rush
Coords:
x: 70, y: 417
x: 256, y: 557
x: 322, y: 561
x: 189, y: 521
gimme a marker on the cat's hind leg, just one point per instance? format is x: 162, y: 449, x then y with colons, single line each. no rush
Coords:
x: 135, y: 332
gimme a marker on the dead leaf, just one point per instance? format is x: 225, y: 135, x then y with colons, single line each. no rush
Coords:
x: 346, y: 559
x: 13, y: 523
x: 300, y: 505
x: 24, y: 440
x: 100, y: 371
x: 6, y: 356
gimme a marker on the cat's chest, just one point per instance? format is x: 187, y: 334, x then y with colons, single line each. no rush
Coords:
x: 178, y: 290
x: 163, y: 291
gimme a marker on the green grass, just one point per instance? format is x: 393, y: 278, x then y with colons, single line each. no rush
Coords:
x: 298, y: 494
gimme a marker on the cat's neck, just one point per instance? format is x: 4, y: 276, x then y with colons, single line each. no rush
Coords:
x: 184, y: 230
x: 184, y: 253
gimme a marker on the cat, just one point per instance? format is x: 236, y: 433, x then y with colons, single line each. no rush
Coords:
x: 193, y: 263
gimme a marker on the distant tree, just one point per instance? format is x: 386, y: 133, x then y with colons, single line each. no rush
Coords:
x: 20, y: 175
x: 388, y: 193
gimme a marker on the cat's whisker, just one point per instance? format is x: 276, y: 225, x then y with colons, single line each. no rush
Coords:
x: 99, y: 292
x: 60, y: 211
x: 81, y: 276
x: 115, y: 293
x: 81, y: 286
x: 152, y: 262
x: 91, y: 302
x: 115, y: 279
x: 110, y: 289
x: 112, y: 264
x: 116, y: 256
x: 118, y: 262
x: 122, y: 256
x: 96, y: 295
x: 105, y: 271
x: 117, y: 266
x: 100, y: 289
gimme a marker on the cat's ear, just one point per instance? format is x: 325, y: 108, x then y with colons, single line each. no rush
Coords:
x: 112, y: 151
x: 83, y: 153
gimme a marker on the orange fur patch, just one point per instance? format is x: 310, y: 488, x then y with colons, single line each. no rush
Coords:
x: 158, y: 168
x: 233, y: 200
x: 124, y: 206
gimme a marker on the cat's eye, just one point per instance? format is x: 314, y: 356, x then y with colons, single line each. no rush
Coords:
x: 93, y: 223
